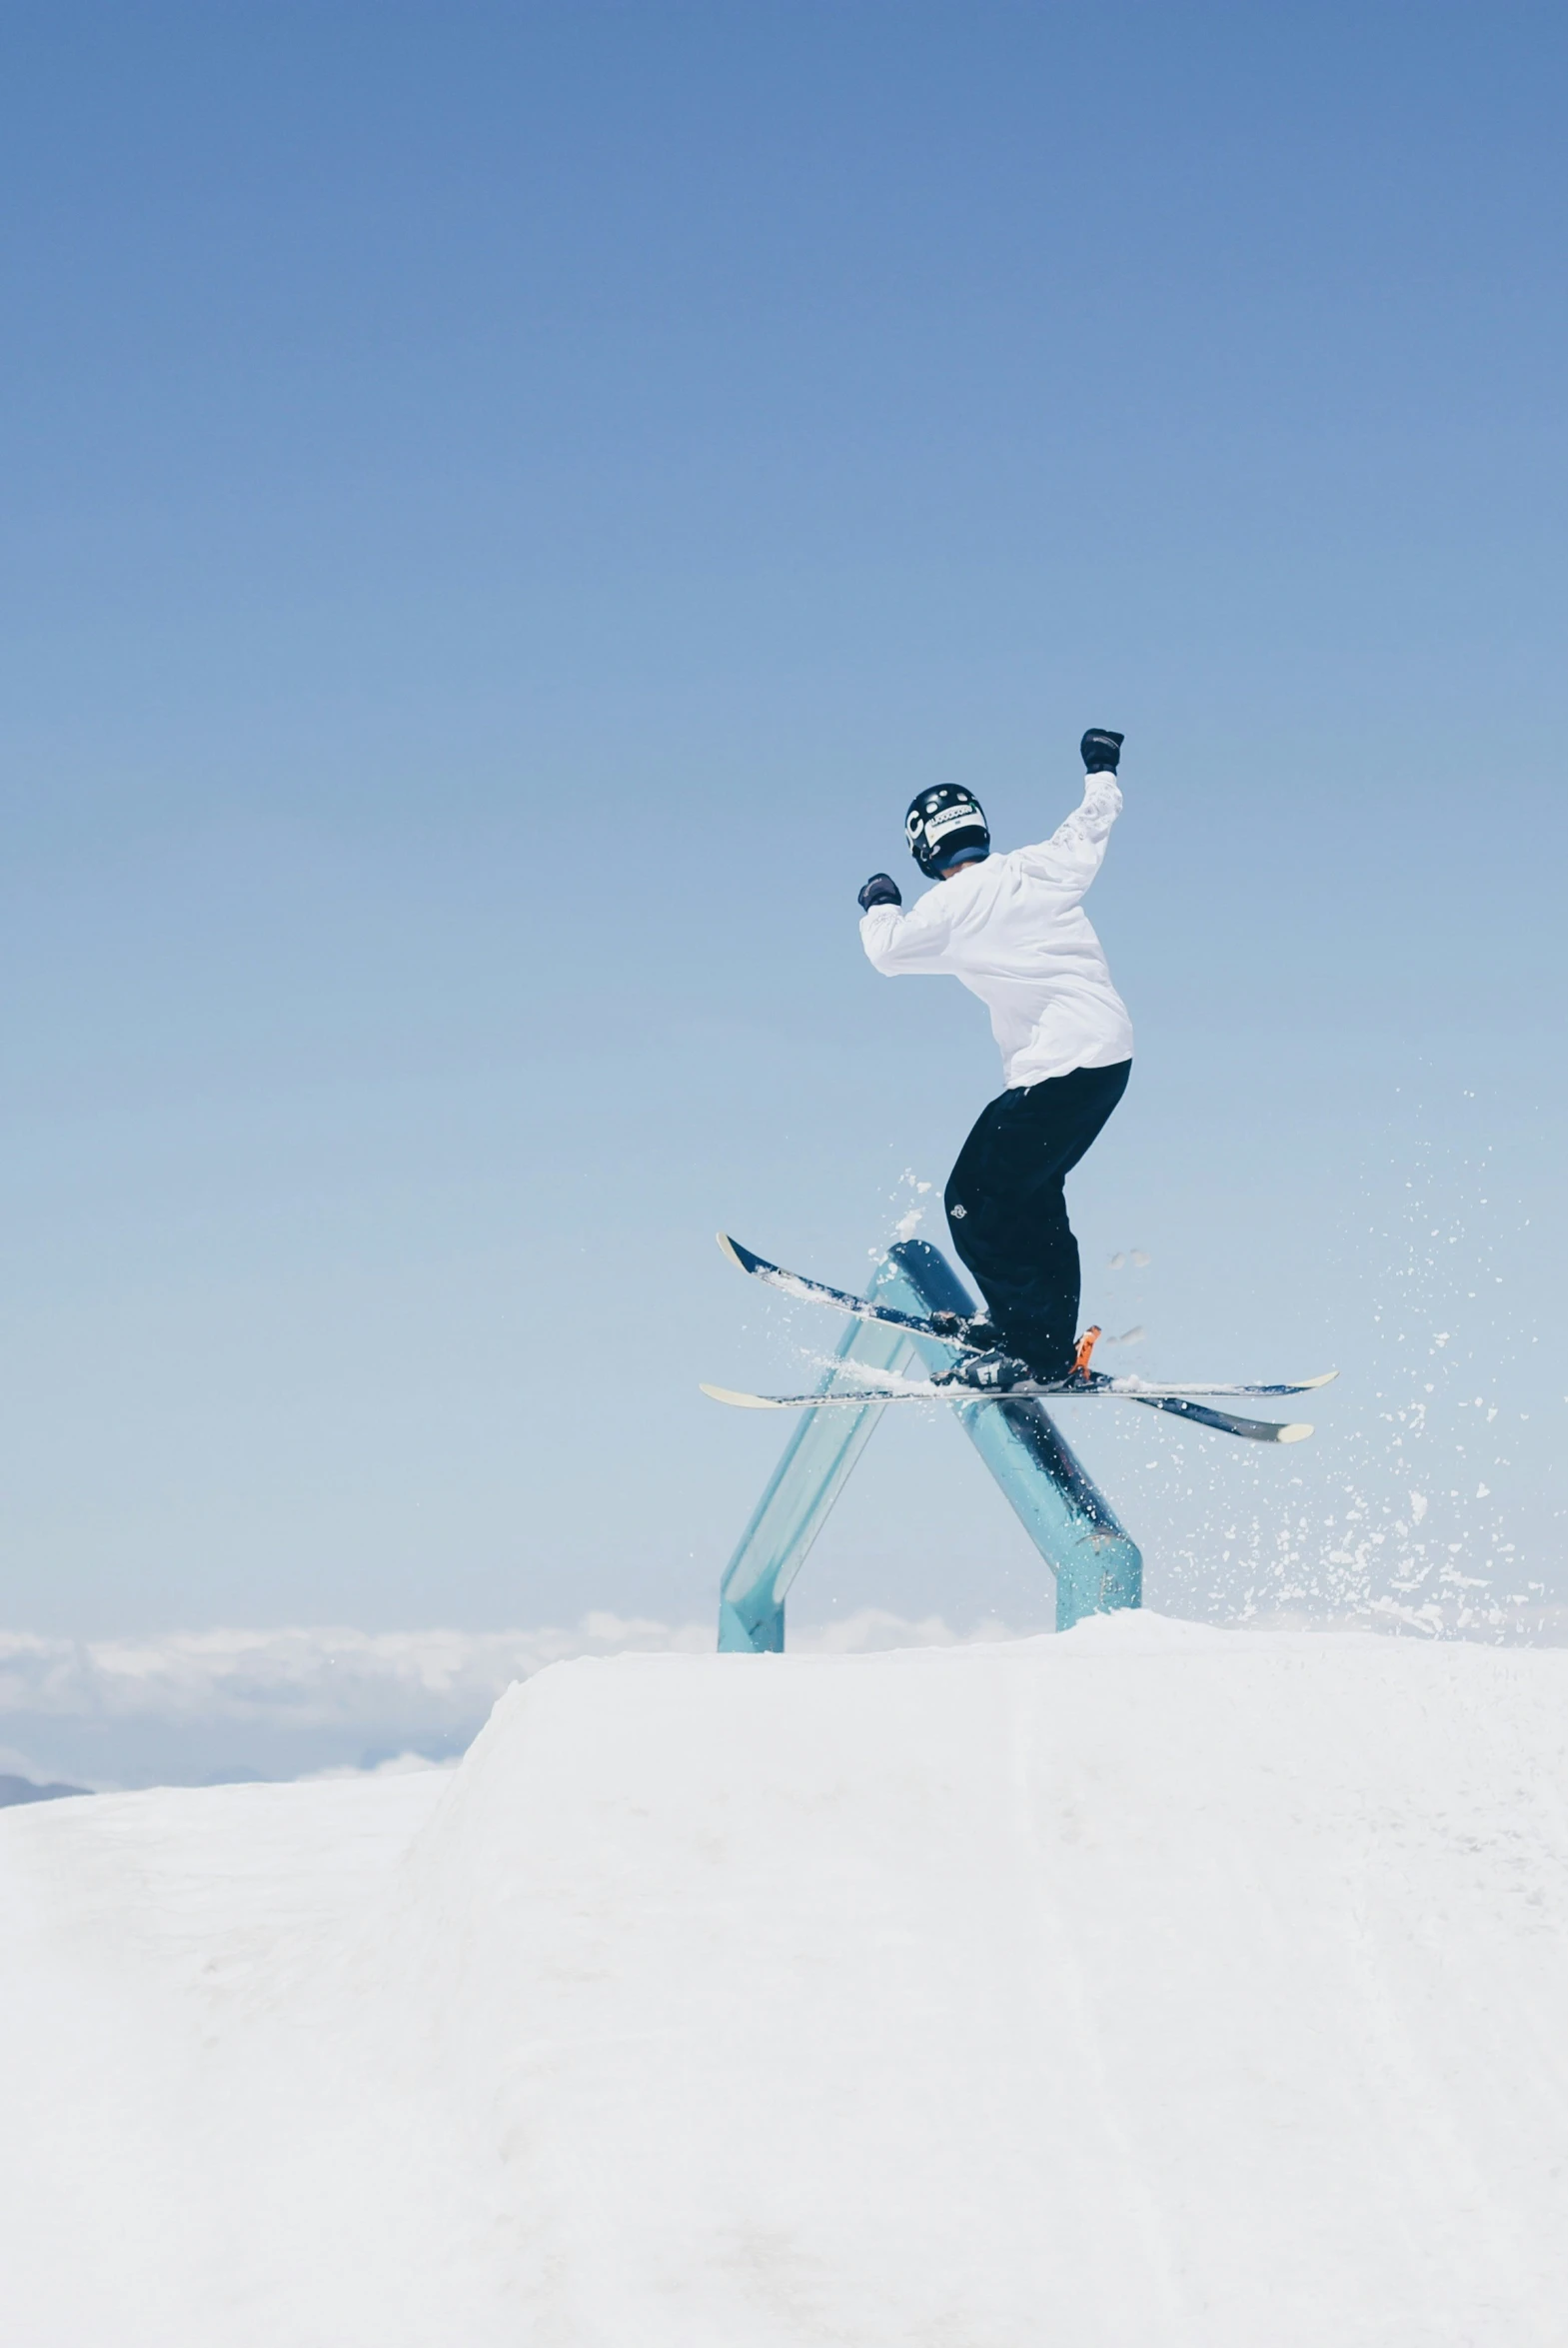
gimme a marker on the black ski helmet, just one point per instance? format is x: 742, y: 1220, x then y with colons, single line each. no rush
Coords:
x: 942, y: 824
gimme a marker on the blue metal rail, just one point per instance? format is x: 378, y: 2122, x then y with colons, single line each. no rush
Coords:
x: 1069, y: 1520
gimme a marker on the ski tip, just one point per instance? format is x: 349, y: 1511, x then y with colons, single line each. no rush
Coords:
x: 1311, y: 1385
x: 741, y: 1257
x: 743, y: 1402
x: 1296, y: 1432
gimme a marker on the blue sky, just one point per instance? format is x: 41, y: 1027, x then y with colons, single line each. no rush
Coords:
x: 503, y: 508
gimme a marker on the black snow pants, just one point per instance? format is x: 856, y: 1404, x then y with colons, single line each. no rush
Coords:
x: 1008, y: 1208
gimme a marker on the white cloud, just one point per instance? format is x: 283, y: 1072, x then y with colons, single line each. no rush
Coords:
x: 301, y: 1677
x: 335, y: 1676
x: 178, y: 1706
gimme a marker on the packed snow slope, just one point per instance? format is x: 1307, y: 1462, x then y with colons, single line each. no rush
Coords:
x: 1145, y: 1985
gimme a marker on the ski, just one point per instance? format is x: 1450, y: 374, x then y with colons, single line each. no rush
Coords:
x: 807, y: 1291
x: 793, y: 1284
x: 1261, y: 1430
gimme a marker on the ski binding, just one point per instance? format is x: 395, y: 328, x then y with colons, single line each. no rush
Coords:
x: 1191, y: 1401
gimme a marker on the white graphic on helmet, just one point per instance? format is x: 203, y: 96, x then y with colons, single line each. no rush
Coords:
x: 954, y: 818
x: 929, y: 819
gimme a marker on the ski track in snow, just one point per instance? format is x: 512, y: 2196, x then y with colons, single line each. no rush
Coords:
x: 1155, y: 1986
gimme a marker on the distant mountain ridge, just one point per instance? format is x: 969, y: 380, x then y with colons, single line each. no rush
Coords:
x: 22, y: 1789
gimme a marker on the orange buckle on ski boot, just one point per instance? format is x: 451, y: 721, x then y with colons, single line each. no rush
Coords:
x: 1080, y: 1360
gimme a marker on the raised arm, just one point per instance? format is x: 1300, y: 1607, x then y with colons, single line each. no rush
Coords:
x: 1076, y: 848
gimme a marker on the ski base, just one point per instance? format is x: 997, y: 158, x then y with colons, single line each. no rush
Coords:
x: 1191, y: 1401
x: 793, y: 1284
x: 1263, y: 1431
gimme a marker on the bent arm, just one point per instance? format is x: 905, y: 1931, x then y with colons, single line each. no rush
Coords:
x: 898, y: 941
x: 1076, y: 848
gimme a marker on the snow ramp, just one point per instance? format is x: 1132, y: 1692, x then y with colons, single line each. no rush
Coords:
x: 1144, y: 1985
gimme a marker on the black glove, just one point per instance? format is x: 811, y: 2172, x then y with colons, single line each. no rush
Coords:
x: 880, y: 888
x: 1102, y: 748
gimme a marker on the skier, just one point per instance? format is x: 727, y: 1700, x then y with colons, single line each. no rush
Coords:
x: 1013, y: 930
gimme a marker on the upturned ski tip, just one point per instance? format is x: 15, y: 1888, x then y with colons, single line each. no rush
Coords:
x: 1296, y: 1432
x: 745, y: 1260
x: 745, y: 1401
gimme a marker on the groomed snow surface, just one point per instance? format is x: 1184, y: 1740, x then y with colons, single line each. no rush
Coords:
x: 1151, y: 1984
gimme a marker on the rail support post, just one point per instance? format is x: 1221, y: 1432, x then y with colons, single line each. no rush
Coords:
x: 1098, y: 1568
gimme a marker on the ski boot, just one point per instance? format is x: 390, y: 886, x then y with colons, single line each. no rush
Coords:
x: 979, y: 1332
x: 997, y: 1371
x: 994, y: 1373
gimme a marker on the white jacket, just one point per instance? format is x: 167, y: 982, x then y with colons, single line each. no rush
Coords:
x: 1014, y: 930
